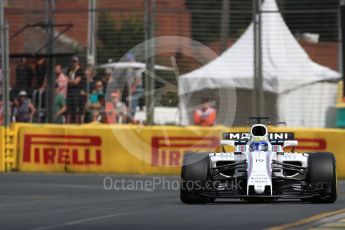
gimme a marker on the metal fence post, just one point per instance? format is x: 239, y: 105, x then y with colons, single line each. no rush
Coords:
x: 5, y: 65
x: 91, y: 36
x: 341, y: 32
x: 6, y: 78
x: 150, y: 60
x: 50, y: 8
x: 258, y: 94
x: 224, y: 26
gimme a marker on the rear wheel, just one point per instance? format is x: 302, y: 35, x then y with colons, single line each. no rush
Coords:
x: 194, y: 176
x: 322, y: 171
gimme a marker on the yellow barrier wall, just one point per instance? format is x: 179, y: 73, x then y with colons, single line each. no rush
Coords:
x: 116, y: 149
x: 137, y: 149
x: 2, y: 149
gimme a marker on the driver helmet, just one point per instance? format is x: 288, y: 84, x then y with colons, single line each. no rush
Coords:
x: 259, y: 146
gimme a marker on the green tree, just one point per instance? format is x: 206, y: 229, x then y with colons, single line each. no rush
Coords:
x: 115, y: 40
x: 316, y: 16
x: 206, y: 18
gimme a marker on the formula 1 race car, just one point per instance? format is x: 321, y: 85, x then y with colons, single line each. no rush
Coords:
x: 259, y: 170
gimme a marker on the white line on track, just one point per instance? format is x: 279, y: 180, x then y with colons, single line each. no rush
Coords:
x: 82, y: 221
x: 63, y: 185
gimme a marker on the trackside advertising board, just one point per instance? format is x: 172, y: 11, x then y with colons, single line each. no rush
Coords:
x: 2, y: 149
x: 138, y: 149
x: 113, y: 149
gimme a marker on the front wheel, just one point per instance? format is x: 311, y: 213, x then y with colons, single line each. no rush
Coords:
x: 194, y: 175
x: 322, y: 171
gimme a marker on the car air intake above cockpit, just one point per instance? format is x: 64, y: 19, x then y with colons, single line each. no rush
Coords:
x: 259, y: 130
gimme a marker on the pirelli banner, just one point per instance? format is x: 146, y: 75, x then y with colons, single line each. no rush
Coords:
x: 111, y: 149
x: 139, y: 150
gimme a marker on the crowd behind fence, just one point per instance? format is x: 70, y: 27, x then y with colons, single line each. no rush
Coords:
x: 81, y: 90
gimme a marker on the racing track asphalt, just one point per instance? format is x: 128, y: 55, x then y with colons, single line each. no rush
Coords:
x: 58, y: 201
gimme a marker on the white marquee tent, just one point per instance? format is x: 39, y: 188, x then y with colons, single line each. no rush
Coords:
x: 297, y: 89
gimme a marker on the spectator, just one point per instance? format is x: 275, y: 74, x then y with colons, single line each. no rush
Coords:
x: 93, y: 101
x: 101, y: 115
x: 14, y: 108
x: 40, y: 72
x: 24, y: 76
x: 116, y: 110
x: 206, y: 115
x: 76, y: 92
x: 106, y: 78
x: 59, y: 107
x: 25, y: 109
x: 61, y: 80
x: 135, y: 83
x: 91, y: 83
x: 98, y: 89
x: 91, y: 90
x: 1, y: 78
x: 137, y: 90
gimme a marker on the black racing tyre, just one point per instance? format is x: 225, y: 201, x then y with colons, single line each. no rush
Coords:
x: 322, y: 169
x: 194, y: 175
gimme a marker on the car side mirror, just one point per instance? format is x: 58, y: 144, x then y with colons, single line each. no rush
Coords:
x: 289, y: 143
x: 228, y: 143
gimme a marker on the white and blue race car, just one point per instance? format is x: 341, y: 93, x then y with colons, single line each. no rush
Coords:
x: 259, y: 170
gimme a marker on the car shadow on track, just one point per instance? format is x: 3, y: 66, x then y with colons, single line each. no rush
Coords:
x: 243, y: 202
